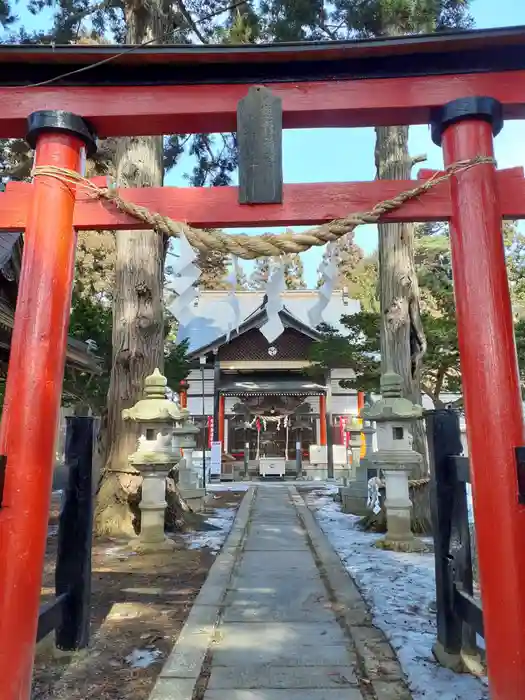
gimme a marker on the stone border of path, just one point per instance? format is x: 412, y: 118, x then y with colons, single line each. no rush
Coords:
x: 377, y: 661
x: 182, y: 669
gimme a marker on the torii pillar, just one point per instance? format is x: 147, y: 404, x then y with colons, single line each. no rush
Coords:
x: 34, y: 388
x: 491, y: 385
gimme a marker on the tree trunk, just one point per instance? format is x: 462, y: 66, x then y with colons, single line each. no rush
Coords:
x: 402, y: 339
x: 138, y: 324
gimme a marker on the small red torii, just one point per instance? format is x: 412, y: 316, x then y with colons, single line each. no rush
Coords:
x: 464, y: 84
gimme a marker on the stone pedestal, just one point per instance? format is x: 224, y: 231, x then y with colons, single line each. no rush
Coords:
x: 315, y: 472
x: 187, y: 476
x: 189, y: 482
x: 341, y: 474
x: 398, y: 512
x: 152, y: 508
x: 195, y: 498
x: 354, y: 495
x: 396, y: 459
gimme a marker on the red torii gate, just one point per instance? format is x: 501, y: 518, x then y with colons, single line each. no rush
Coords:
x: 464, y: 84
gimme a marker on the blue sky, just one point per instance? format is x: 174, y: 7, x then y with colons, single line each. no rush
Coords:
x: 355, y: 147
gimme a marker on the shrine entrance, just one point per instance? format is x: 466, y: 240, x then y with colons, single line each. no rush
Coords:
x: 463, y: 84
x: 271, y: 423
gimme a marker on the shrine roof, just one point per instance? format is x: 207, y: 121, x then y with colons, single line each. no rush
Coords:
x: 446, y: 53
x: 78, y: 353
x: 213, y: 315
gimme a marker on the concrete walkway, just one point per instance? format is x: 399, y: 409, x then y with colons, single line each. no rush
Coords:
x: 278, y: 633
x: 282, y: 631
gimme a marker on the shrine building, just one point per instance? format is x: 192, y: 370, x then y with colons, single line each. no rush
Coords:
x: 249, y: 391
x: 79, y: 355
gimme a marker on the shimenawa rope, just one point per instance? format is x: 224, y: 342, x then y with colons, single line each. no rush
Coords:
x: 267, y: 244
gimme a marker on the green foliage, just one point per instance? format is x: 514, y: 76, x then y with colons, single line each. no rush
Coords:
x: 242, y: 280
x: 375, y: 18
x: 359, y: 350
x: 514, y: 241
x: 349, y: 258
x: 363, y: 283
x: 176, y: 365
x: 293, y: 20
x: 304, y: 20
x: 260, y: 273
x: 293, y: 272
x: 92, y: 320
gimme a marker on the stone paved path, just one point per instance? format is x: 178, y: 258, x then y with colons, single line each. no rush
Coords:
x: 278, y: 638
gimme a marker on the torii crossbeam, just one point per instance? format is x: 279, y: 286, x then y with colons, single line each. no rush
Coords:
x: 464, y: 84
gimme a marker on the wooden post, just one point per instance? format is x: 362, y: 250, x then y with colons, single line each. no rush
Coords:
x: 183, y: 393
x: 360, y: 406
x: 34, y: 385
x: 322, y: 419
x: 73, y: 567
x: 298, y: 452
x: 444, y: 440
x: 220, y: 419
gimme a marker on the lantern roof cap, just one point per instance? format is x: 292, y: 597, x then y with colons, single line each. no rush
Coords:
x: 155, y: 406
x: 392, y: 406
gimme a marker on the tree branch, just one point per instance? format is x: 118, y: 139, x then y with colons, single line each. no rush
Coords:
x: 22, y: 170
x: 414, y: 160
x: 327, y: 31
x: 431, y: 394
x: 440, y: 378
x: 79, y: 16
x: 191, y: 22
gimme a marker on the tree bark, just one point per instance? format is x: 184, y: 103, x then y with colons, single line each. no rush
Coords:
x: 138, y: 323
x: 403, y: 341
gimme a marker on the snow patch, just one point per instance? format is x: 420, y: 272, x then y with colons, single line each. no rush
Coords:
x: 142, y: 658
x: 220, y: 487
x: 222, y: 520
x: 400, y: 591
x: 119, y: 551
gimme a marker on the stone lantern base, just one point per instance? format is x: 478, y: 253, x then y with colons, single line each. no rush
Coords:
x: 153, y: 508
x: 141, y: 547
x: 406, y: 544
x: 194, y: 497
x: 396, y: 468
x: 398, y: 506
x: 152, y: 537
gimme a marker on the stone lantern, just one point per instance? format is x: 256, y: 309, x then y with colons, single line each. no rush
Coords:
x: 154, y: 458
x: 353, y: 429
x: 190, y: 484
x: 396, y: 459
x: 355, y: 493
